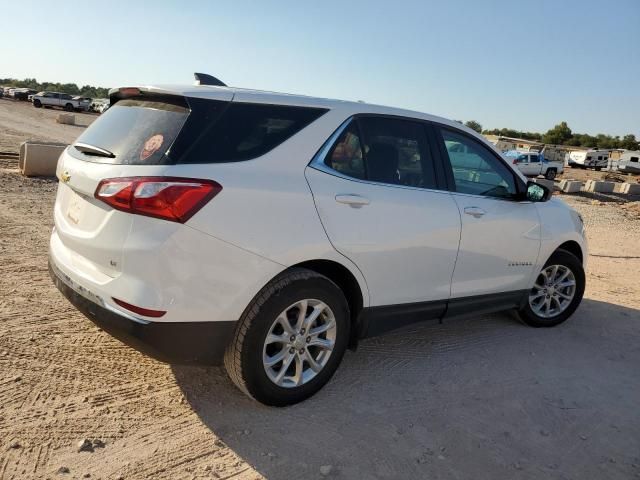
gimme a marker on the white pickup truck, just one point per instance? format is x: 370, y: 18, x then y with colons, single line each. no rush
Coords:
x: 533, y: 164
x: 61, y: 100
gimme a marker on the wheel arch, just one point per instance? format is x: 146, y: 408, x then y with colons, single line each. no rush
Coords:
x: 574, y: 248
x: 347, y: 282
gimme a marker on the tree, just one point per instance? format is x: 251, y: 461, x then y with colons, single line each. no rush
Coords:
x: 473, y: 125
x: 558, y: 135
x: 629, y: 142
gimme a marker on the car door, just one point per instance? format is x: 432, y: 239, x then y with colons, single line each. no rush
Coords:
x: 500, y: 238
x: 375, y: 189
x: 535, y: 166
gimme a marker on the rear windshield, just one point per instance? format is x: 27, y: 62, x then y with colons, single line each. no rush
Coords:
x: 170, y: 130
x: 135, y: 131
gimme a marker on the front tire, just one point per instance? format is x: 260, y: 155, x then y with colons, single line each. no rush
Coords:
x: 68, y: 107
x: 557, y: 291
x: 37, y: 103
x: 290, y: 339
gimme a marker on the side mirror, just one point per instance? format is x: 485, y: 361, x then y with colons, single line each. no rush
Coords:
x: 537, y: 192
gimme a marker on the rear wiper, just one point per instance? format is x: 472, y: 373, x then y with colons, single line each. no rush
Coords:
x: 92, y: 150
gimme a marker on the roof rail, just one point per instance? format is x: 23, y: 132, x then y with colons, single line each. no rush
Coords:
x: 206, y: 79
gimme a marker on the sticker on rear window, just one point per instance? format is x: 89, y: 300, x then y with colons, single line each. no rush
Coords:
x: 151, y: 146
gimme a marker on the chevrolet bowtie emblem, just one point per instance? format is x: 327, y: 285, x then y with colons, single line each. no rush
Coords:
x: 65, y: 177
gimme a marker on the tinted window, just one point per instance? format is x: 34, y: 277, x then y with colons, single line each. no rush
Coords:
x: 535, y: 159
x: 384, y: 150
x: 136, y: 131
x: 476, y: 170
x: 346, y: 154
x: 396, y: 151
x: 248, y: 130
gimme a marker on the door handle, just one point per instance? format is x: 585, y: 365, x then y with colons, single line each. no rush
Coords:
x: 475, y: 212
x: 355, y: 201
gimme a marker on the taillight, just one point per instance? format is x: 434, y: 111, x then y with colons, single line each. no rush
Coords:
x: 175, y: 199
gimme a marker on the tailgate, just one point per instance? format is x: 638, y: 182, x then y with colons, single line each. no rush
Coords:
x: 93, y: 232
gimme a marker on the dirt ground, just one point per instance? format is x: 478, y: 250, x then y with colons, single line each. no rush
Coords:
x: 20, y: 121
x: 480, y: 397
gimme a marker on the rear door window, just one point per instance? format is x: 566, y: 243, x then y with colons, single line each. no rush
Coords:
x: 385, y: 150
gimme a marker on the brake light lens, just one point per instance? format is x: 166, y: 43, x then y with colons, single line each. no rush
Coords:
x: 175, y: 199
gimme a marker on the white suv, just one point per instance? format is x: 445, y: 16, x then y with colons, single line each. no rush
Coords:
x: 271, y: 231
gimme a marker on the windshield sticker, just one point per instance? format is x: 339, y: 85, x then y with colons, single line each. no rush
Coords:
x: 151, y: 146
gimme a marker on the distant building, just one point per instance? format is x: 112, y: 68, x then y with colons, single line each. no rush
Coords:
x: 507, y: 143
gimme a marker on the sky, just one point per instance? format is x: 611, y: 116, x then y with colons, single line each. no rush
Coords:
x: 525, y: 64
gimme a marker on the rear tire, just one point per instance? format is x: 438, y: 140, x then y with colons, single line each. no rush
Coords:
x: 555, y: 290
x: 37, y: 103
x: 68, y: 107
x: 262, y: 336
x: 551, y: 174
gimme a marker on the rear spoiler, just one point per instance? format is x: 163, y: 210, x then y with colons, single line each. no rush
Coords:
x: 116, y: 94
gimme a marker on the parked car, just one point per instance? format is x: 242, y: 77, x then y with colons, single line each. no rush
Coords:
x: 533, y: 164
x: 206, y: 224
x: 23, y: 93
x: 103, y: 107
x: 61, y: 100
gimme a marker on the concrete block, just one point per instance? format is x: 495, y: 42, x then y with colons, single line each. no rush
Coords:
x: 596, y: 186
x: 630, y: 188
x: 66, y: 118
x: 547, y: 183
x: 571, y: 186
x: 619, y: 187
x: 39, y: 159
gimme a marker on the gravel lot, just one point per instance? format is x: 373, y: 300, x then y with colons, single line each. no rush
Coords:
x: 480, y: 397
x: 20, y: 121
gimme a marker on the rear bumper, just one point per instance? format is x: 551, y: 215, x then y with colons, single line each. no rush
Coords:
x: 189, y: 343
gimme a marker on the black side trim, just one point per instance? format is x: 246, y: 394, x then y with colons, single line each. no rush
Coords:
x: 199, y: 343
x: 375, y: 321
x: 479, y: 304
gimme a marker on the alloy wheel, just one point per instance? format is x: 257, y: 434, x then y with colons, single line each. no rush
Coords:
x: 553, y: 291
x: 299, y: 343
